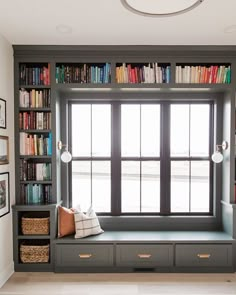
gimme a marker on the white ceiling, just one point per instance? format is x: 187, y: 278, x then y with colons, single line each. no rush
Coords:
x: 107, y: 22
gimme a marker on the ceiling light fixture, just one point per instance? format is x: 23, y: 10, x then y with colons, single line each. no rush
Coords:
x: 160, y: 7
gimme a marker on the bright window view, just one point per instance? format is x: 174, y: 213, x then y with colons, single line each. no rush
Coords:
x: 91, y: 149
x: 162, y: 159
x: 190, y: 177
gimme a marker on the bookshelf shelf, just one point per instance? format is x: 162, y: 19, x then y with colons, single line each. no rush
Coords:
x: 27, y: 87
x: 44, y: 157
x: 33, y: 237
x: 35, y: 130
x: 36, y: 182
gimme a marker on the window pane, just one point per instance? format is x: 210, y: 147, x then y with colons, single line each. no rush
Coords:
x: 199, y: 138
x: 179, y: 130
x: 101, y: 130
x: 150, y: 187
x: 130, y: 130
x: 150, y: 130
x: 200, y: 184
x: 81, y: 130
x: 101, y: 186
x: 81, y: 184
x: 130, y: 186
x: 179, y: 186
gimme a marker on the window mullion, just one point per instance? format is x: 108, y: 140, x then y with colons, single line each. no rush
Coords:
x: 165, y: 160
x: 91, y: 154
x: 189, y: 154
x: 140, y: 154
x: 116, y: 159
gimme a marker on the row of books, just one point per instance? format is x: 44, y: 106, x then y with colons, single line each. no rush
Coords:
x: 35, y: 98
x: 203, y: 74
x: 35, y: 144
x: 34, y: 75
x: 151, y: 73
x: 35, y: 194
x: 84, y: 73
x: 35, y: 120
x: 35, y: 171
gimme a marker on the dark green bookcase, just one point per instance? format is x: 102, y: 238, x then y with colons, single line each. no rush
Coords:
x: 91, y: 71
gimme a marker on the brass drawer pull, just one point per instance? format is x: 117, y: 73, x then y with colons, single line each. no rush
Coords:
x: 204, y: 256
x: 144, y: 256
x: 85, y: 256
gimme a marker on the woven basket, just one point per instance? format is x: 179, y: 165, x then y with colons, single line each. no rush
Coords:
x: 34, y: 253
x: 35, y: 226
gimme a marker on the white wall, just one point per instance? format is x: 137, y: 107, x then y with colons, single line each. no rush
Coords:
x: 7, y: 93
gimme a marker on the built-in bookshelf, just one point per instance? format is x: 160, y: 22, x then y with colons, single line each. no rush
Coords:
x: 48, y: 76
x: 34, y: 162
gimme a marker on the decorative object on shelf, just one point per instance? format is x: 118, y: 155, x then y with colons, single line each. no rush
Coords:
x: 66, y: 156
x: 4, y: 194
x: 34, y: 253
x: 32, y: 225
x: 2, y: 113
x: 218, y: 157
x: 160, y: 8
x: 4, y: 150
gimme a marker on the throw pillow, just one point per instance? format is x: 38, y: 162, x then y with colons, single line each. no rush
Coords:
x: 86, y: 224
x: 66, y: 223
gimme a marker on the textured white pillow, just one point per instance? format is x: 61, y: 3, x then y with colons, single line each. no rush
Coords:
x: 86, y: 224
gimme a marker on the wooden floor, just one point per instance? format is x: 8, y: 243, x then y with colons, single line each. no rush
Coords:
x: 119, y: 284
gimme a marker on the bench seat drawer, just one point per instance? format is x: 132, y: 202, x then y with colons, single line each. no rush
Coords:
x: 142, y: 255
x: 204, y: 255
x: 86, y: 255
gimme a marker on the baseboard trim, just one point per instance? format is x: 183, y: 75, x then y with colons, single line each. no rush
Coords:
x: 6, y: 274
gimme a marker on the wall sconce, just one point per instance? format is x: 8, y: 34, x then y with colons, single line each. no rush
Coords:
x: 218, y: 157
x: 66, y: 156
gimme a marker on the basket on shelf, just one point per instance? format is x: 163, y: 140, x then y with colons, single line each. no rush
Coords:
x: 30, y: 253
x: 35, y: 225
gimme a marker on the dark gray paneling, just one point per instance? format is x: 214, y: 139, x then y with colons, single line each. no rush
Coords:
x: 143, y: 51
x: 227, y: 218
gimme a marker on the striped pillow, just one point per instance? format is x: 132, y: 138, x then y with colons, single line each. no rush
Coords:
x: 86, y: 224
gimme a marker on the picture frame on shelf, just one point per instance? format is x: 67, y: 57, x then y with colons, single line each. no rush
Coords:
x: 4, y: 150
x: 3, y: 110
x: 4, y: 194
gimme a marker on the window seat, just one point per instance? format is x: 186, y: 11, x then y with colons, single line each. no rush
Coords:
x: 151, y: 236
x: 158, y: 251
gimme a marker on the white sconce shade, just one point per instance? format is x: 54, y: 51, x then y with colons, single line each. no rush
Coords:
x: 66, y: 156
x: 217, y: 157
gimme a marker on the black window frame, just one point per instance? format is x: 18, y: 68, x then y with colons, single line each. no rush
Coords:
x: 164, y: 154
